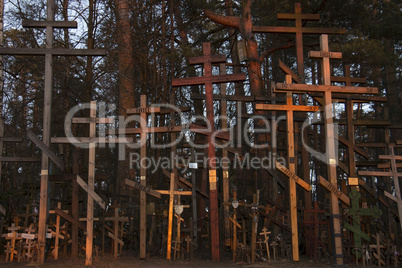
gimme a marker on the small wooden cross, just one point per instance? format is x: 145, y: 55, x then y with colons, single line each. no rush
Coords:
x: 378, y: 255
x: 266, y: 234
x: 115, y: 235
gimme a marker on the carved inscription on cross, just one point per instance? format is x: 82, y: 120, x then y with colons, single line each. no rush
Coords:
x: 50, y: 24
x: 299, y: 30
x: 208, y: 80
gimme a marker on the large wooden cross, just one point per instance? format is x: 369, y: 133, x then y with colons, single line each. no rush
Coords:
x: 92, y: 140
x: 299, y: 30
x: 290, y: 108
x: 50, y: 24
x: 208, y: 80
x: 394, y: 174
x: 143, y: 131
x: 331, y: 157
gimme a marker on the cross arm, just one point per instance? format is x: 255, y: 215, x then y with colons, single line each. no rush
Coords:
x: 276, y: 107
x: 323, y: 88
x: 214, y: 79
x: 52, y: 51
x: 44, y: 24
x: 212, y: 59
x: 307, y: 30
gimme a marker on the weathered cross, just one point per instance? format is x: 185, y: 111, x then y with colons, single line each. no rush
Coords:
x: 394, y: 174
x: 91, y: 141
x: 50, y: 24
x: 143, y: 131
x: 115, y: 235
x: 266, y: 234
x: 331, y: 157
x: 290, y: 108
x: 299, y: 30
x: 355, y: 212
x: 208, y: 80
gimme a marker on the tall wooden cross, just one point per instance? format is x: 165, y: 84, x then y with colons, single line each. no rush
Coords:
x: 208, y: 80
x: 50, y: 24
x: 290, y: 109
x: 394, y: 174
x: 299, y: 30
x: 143, y: 131
x: 331, y: 157
x: 92, y: 140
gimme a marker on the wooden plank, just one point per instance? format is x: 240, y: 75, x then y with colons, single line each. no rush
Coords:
x: 293, y: 176
x: 334, y: 190
x: 45, y: 149
x: 115, y: 238
x: 353, y: 146
x: 145, y: 189
x: 215, y: 79
x: 170, y: 217
x: 322, y: 88
x: 355, y: 98
x: 235, y: 222
x: 236, y: 98
x: 98, y: 120
x: 306, y: 30
x: 69, y: 218
x: 320, y: 54
x: 44, y: 24
x: 277, y: 107
x: 52, y: 52
x: 143, y: 180
x: 91, y: 192
x: 146, y: 110
x: 378, y: 173
x: 10, y: 139
x: 288, y: 71
x: 102, y: 140
x: 18, y: 159
x: 389, y: 157
x: 212, y: 58
x: 166, y: 129
x: 392, y: 197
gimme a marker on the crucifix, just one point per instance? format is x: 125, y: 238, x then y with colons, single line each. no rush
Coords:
x: 50, y: 24
x: 290, y: 109
x: 29, y: 244
x: 299, y: 30
x: 356, y: 212
x: 394, y: 174
x: 330, y: 157
x: 11, y: 245
x: 89, y: 187
x: 266, y: 234
x: 208, y: 80
x: 115, y: 235
x: 56, y: 233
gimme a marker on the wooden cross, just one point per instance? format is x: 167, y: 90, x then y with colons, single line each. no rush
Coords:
x: 265, y: 233
x: 314, y: 222
x: 331, y: 157
x: 89, y: 188
x: 235, y: 204
x: 299, y: 30
x: 143, y: 130
x: 178, y: 239
x: 29, y: 237
x: 57, y: 234
x: 208, y: 80
x: 115, y: 235
x: 355, y: 212
x: 50, y: 24
x: 394, y: 174
x: 290, y: 109
x: 11, y: 245
x: 378, y: 253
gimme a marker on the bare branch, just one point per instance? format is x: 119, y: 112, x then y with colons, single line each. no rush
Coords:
x: 229, y: 21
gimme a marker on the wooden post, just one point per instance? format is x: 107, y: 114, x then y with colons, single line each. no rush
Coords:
x: 115, y: 235
x: 254, y: 227
x: 225, y: 164
x: 143, y: 181
x: 170, y: 219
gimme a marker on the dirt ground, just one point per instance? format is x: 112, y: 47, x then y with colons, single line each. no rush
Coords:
x: 133, y: 261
